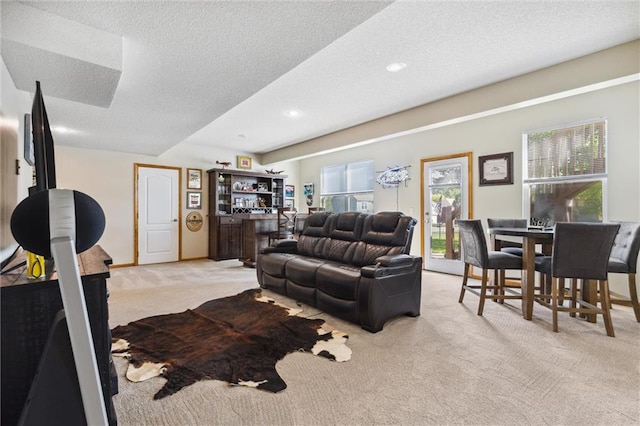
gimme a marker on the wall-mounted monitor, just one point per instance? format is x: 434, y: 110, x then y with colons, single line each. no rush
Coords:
x: 29, y: 156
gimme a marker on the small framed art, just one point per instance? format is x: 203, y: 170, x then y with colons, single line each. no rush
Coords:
x: 496, y: 169
x: 194, y: 178
x: 244, y: 162
x: 194, y: 200
x: 289, y: 191
x: 308, y: 189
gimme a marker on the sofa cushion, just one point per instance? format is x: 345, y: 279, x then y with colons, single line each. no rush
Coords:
x: 303, y: 270
x: 385, y: 233
x: 388, y: 229
x: 302, y: 293
x: 274, y: 263
x: 312, y: 238
x: 344, y: 233
x: 345, y: 309
x: 366, y: 254
x: 338, y: 280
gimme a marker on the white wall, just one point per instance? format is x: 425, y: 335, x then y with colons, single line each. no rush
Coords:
x: 109, y: 178
x: 503, y: 133
x: 14, y: 104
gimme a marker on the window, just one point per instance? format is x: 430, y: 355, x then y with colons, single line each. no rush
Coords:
x: 565, y: 173
x: 347, y: 187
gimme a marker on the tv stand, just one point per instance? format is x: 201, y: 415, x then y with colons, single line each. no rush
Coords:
x: 28, y: 311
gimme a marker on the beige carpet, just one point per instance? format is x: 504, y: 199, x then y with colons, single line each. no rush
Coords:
x: 447, y: 366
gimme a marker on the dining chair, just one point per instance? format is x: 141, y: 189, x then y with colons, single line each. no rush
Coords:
x: 580, y: 252
x: 510, y: 247
x: 286, y: 223
x: 476, y: 253
x: 623, y: 260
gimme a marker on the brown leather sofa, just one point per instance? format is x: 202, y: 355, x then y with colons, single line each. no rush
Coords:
x: 351, y: 265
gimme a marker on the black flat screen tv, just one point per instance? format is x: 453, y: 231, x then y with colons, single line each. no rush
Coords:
x: 42, y: 145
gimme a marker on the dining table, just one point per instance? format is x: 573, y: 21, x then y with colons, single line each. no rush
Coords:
x: 530, y: 238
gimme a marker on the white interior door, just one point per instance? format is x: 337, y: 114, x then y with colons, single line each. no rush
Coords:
x: 158, y: 219
x: 446, y: 198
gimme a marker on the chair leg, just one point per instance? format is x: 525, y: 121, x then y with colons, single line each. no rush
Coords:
x: 502, y: 278
x: 465, y: 277
x: 554, y: 303
x: 604, y: 304
x: 633, y: 295
x: 483, y: 291
x: 545, y: 285
x: 574, y: 295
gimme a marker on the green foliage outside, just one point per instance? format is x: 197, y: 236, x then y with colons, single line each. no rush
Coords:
x: 438, y: 243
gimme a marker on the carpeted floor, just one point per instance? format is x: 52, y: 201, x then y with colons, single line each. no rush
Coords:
x: 447, y: 366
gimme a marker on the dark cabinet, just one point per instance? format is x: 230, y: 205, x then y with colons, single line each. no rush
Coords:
x: 28, y: 311
x: 234, y: 196
x: 230, y: 238
x: 237, y: 192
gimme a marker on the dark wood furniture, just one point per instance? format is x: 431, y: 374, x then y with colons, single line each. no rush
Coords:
x: 256, y: 230
x: 286, y: 224
x: 28, y: 310
x: 530, y: 237
x: 225, y: 237
x: 236, y: 196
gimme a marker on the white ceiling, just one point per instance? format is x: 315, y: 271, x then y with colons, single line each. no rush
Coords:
x: 225, y: 73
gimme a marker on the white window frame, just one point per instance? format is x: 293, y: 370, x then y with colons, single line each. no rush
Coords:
x: 324, y: 193
x: 526, y: 181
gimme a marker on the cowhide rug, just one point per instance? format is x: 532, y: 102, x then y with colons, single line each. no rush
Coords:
x: 237, y: 339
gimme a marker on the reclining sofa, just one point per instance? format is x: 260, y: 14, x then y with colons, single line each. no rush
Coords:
x: 352, y: 265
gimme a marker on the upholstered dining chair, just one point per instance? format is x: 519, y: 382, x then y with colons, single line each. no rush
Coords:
x: 476, y: 253
x: 510, y: 246
x: 580, y: 252
x: 623, y: 260
x: 286, y: 223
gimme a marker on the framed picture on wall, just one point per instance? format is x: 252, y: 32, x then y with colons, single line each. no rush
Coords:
x: 194, y: 179
x: 308, y: 189
x: 496, y: 169
x: 289, y: 202
x: 244, y: 162
x: 289, y: 191
x: 194, y: 200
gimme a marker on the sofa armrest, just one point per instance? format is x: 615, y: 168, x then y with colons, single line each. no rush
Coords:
x: 282, y: 246
x: 395, y: 260
x: 388, y: 291
x: 390, y: 265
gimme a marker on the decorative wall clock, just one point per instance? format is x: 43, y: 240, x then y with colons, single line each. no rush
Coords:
x: 194, y: 221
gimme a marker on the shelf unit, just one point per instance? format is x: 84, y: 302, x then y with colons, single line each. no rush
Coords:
x: 234, y: 194
x: 237, y: 192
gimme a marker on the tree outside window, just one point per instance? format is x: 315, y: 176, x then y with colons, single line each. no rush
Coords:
x: 566, y: 173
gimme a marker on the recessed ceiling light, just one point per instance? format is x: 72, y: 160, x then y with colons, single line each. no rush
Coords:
x: 293, y: 113
x: 396, y: 66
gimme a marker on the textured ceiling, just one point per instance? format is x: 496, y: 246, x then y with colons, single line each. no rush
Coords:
x: 224, y: 73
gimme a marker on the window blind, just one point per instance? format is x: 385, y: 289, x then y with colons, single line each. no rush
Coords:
x: 573, y: 151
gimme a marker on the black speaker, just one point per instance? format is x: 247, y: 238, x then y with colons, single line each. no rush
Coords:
x: 30, y: 222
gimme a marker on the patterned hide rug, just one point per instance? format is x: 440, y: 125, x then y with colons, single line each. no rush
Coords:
x: 237, y: 339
